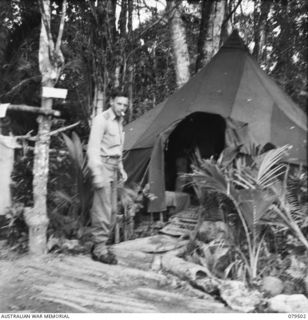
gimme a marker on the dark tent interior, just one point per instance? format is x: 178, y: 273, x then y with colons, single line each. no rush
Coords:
x: 201, y: 130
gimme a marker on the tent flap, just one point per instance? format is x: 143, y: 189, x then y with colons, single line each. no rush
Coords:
x: 135, y: 163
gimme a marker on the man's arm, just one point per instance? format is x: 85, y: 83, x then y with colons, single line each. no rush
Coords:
x: 123, y: 173
x: 94, y: 146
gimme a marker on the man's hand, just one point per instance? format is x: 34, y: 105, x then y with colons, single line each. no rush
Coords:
x: 123, y: 175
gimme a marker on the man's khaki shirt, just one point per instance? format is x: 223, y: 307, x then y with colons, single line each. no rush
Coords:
x: 106, y: 139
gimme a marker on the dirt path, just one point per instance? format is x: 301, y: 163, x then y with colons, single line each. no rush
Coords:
x: 78, y: 284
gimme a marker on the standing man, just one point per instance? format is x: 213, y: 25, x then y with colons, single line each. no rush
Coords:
x: 105, y: 162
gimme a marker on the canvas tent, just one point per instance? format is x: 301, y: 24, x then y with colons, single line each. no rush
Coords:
x: 230, y: 101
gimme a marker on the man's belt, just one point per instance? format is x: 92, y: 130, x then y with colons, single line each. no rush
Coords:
x: 112, y: 157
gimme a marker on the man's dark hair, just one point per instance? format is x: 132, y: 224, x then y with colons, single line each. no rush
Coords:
x: 118, y: 93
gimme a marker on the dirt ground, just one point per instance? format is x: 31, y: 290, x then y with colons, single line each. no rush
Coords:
x: 67, y: 283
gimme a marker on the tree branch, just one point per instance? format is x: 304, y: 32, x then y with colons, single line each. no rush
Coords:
x: 20, y: 84
x: 231, y: 13
x: 45, y: 21
x: 166, y: 14
x: 61, y: 27
x: 26, y: 136
x: 64, y: 128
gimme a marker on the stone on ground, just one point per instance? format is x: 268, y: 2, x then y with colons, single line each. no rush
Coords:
x: 295, y: 303
x: 272, y: 286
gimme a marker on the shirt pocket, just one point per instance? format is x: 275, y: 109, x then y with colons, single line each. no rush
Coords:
x: 112, y: 137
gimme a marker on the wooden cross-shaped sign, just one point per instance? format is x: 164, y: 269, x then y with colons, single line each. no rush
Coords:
x: 37, y: 216
x: 51, y: 62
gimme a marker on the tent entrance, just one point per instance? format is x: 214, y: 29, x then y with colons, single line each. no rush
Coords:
x: 205, y: 131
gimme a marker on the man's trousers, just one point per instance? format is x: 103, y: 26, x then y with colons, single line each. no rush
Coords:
x: 104, y: 207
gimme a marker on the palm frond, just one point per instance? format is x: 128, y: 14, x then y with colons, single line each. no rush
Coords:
x: 70, y: 145
x: 268, y: 171
x: 210, y: 176
x: 244, y: 180
x: 63, y: 197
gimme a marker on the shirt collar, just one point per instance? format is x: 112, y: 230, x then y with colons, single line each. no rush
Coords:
x: 114, y: 116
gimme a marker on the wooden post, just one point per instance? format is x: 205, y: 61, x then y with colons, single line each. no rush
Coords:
x: 39, y: 221
x: 50, y: 63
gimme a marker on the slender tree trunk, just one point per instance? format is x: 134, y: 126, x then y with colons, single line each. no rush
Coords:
x: 179, y: 43
x: 4, y: 31
x: 117, y: 75
x: 155, y: 71
x: 130, y: 17
x: 50, y: 61
x: 212, y: 41
x: 36, y: 217
x: 105, y: 64
x: 119, y: 45
x: 130, y: 61
x: 111, y: 19
x: 130, y: 92
x: 100, y: 98
x: 123, y: 17
x: 260, y: 28
x: 226, y: 28
x: 206, y: 7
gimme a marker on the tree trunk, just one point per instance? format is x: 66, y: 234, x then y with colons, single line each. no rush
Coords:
x: 100, y: 100
x: 205, y: 15
x: 130, y: 18
x: 123, y: 18
x: 50, y: 60
x: 226, y: 28
x: 120, y: 45
x: 130, y: 60
x: 117, y: 75
x: 36, y: 218
x: 6, y: 7
x: 179, y: 43
x: 130, y: 92
x: 106, y: 66
x: 212, y: 41
x: 260, y: 29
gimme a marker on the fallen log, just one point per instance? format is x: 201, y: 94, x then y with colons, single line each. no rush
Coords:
x: 184, y: 269
x: 198, y: 276
x: 131, y: 258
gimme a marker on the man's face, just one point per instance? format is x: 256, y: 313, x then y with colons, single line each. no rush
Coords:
x: 119, y: 105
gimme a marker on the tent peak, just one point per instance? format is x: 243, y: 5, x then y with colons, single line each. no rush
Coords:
x: 234, y: 41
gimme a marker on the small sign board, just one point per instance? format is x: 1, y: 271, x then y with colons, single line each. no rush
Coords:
x: 48, y: 92
x: 3, y: 109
